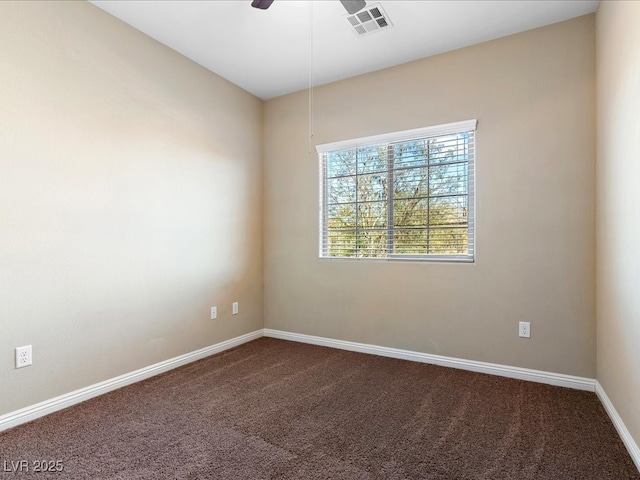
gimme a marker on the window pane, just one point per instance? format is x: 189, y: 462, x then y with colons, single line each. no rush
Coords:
x: 449, y: 148
x: 341, y: 190
x: 372, y: 215
x: 372, y: 159
x: 448, y: 179
x: 410, y: 241
x: 410, y: 154
x: 341, y: 216
x: 341, y: 244
x: 448, y: 241
x: 448, y: 211
x: 410, y: 213
x: 341, y: 163
x: 411, y: 183
x: 372, y: 243
x: 372, y: 187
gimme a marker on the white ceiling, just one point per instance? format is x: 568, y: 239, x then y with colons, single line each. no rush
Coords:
x: 266, y: 52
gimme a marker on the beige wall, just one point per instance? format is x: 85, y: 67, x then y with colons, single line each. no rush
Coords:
x: 618, y: 207
x: 130, y: 201
x: 534, y: 97
x: 131, y: 190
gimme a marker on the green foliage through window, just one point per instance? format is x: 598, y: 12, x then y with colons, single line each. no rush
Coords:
x: 406, y: 199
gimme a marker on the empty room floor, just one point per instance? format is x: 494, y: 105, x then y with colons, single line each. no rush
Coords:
x: 279, y: 409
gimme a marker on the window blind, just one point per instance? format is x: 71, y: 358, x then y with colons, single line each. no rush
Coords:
x: 406, y: 195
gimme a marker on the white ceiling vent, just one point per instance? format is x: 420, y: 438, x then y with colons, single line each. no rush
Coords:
x: 369, y: 20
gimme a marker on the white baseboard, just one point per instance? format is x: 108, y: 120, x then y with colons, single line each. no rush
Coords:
x: 41, y: 409
x: 627, y: 439
x: 559, y: 379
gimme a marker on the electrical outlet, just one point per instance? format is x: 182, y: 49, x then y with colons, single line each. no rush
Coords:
x: 23, y: 356
x: 214, y: 313
x: 234, y: 308
x: 525, y: 330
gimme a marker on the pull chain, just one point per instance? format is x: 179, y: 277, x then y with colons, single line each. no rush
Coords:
x: 310, y: 75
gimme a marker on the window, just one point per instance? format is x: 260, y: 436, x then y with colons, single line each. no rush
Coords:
x: 406, y: 195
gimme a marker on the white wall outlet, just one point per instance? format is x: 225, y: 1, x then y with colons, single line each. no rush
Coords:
x: 234, y: 308
x: 214, y: 313
x: 525, y: 330
x: 23, y: 356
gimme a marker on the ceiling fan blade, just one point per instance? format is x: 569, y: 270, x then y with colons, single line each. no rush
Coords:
x: 261, y: 4
x: 353, y: 6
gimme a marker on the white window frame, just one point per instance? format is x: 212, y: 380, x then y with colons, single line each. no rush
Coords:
x: 389, y: 138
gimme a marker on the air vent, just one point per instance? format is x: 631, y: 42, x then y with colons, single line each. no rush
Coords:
x: 369, y: 20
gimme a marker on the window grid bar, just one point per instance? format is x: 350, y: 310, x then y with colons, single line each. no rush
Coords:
x: 399, y: 168
x: 323, y: 203
x: 390, y: 197
x: 357, y: 206
x: 429, y: 194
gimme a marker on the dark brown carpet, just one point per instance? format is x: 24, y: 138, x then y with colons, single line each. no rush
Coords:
x: 283, y: 410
